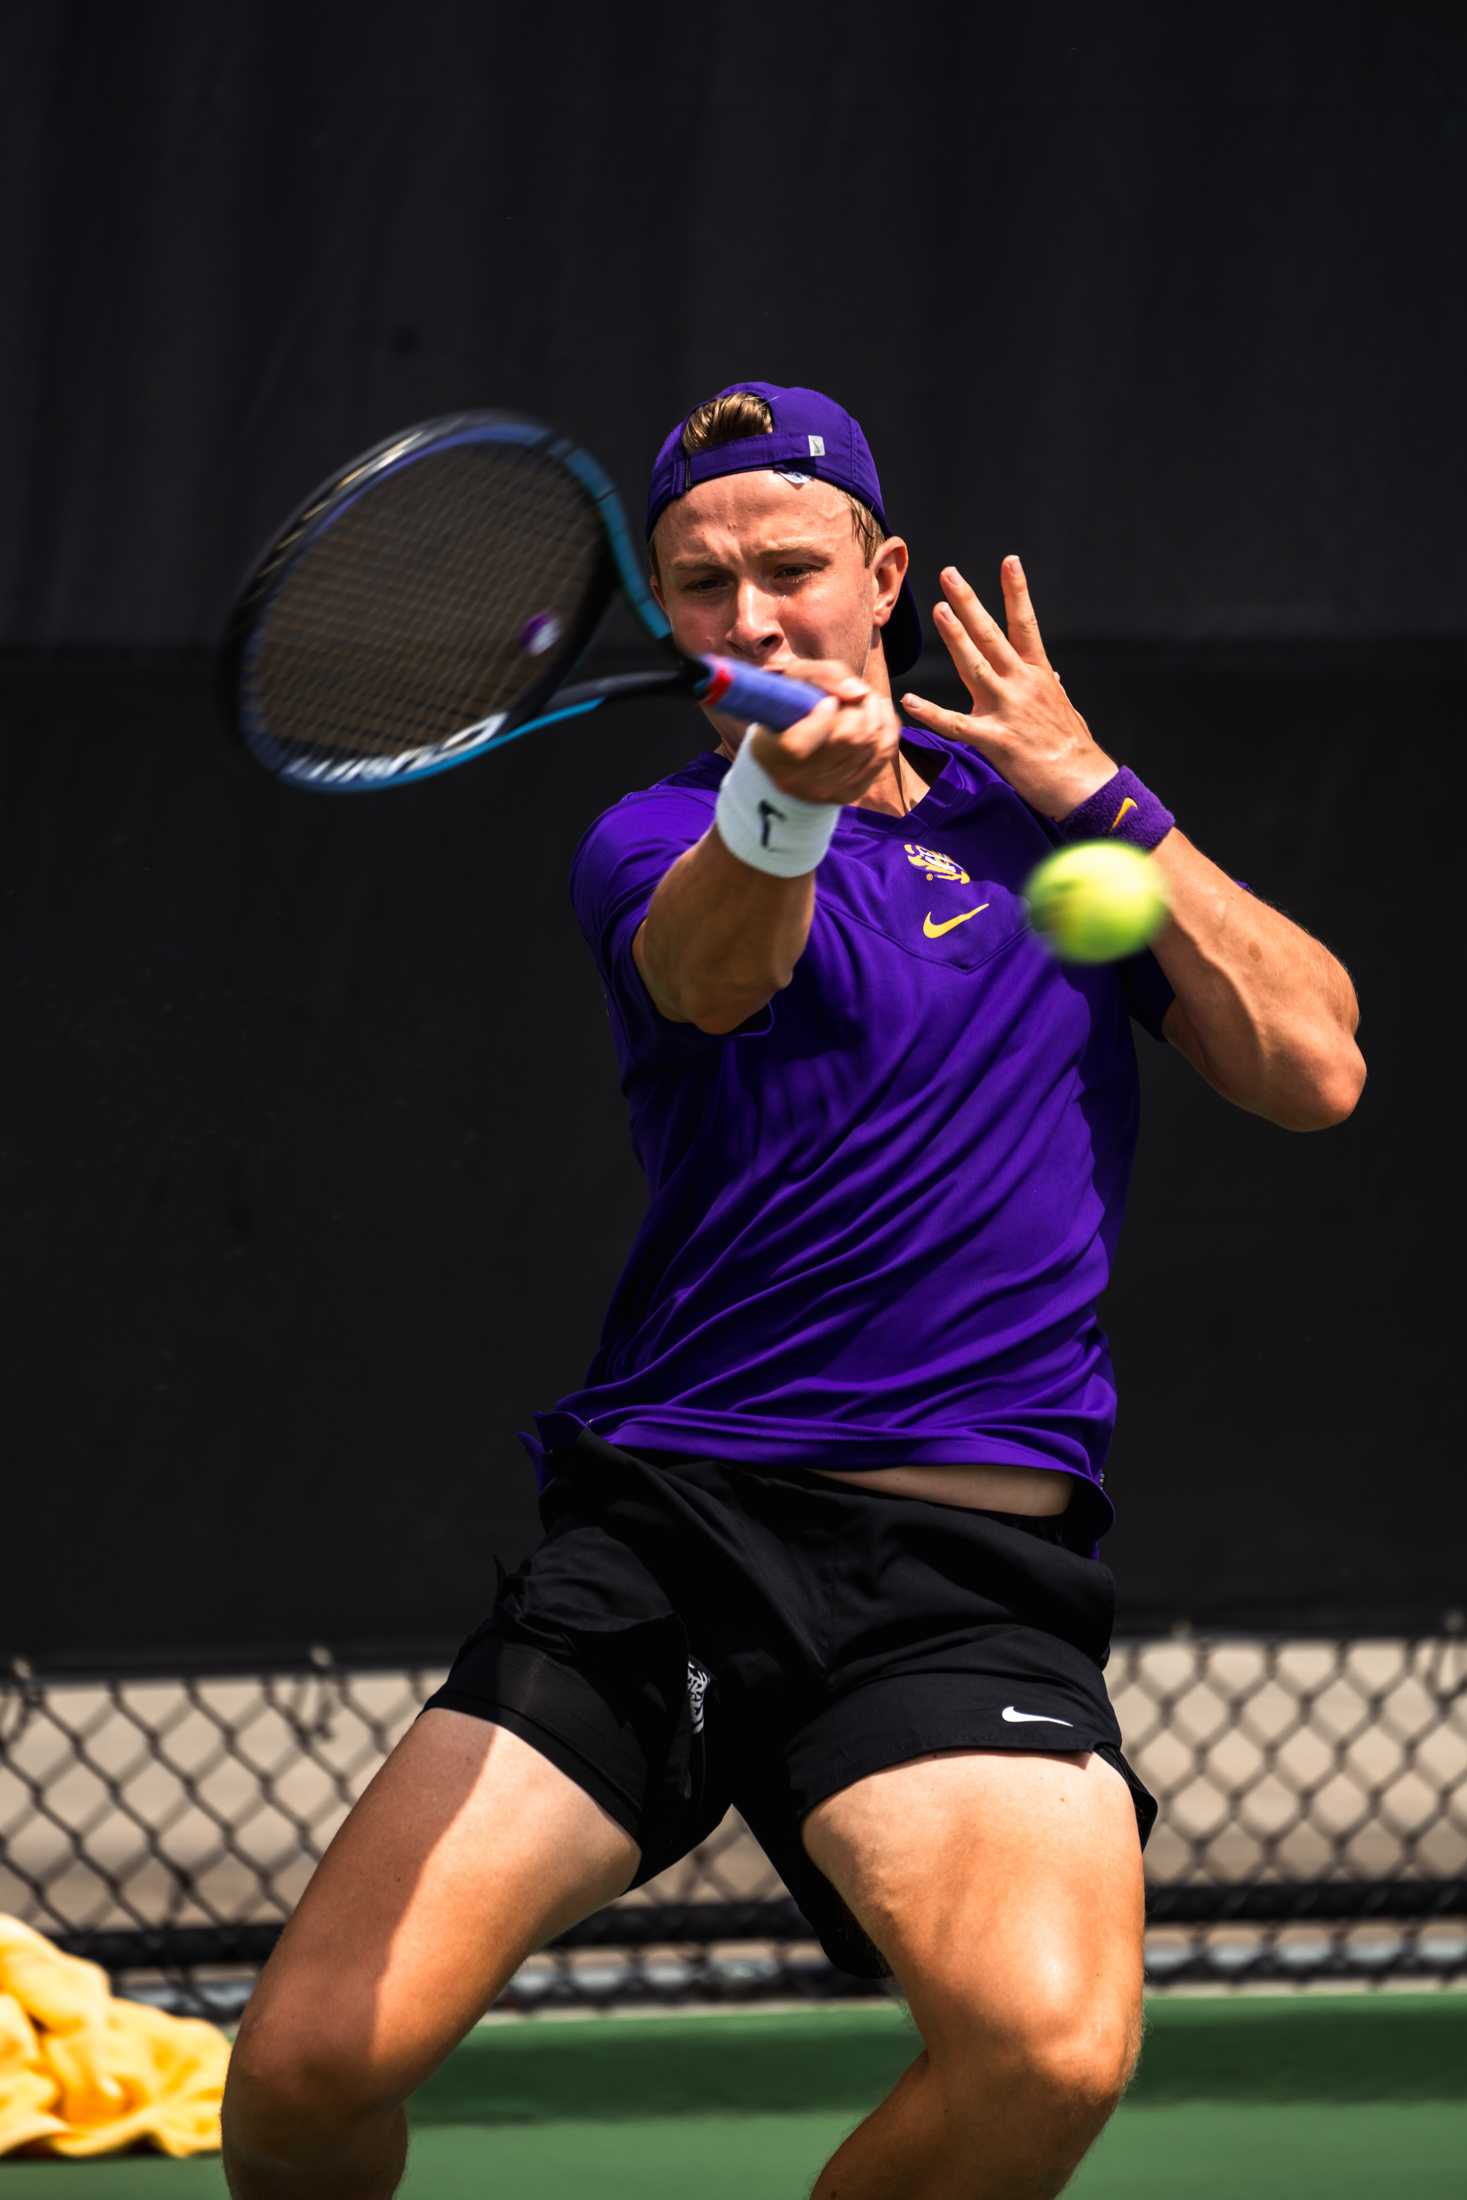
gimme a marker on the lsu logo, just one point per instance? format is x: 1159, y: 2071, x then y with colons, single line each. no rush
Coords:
x: 936, y: 866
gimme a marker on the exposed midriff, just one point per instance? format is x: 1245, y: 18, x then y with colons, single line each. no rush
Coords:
x: 983, y: 1485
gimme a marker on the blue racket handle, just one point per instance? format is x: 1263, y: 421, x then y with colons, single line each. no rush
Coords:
x: 765, y: 697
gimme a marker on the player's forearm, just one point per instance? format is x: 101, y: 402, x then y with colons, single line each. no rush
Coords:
x: 1273, y: 1010
x: 722, y: 938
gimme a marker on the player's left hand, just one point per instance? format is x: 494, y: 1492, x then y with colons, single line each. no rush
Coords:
x: 1022, y: 722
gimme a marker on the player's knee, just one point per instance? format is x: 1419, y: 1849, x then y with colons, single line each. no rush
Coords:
x: 1063, y: 2050
x: 1085, y: 2070
x: 288, y: 2082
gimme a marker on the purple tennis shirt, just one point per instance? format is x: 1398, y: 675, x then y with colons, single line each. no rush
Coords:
x: 883, y: 1209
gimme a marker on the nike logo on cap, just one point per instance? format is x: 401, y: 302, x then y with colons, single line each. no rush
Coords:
x: 935, y: 931
x: 1042, y: 1717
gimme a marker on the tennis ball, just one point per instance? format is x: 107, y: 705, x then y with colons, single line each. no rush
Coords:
x: 1096, y: 901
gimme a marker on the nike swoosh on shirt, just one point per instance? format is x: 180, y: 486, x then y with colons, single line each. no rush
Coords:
x: 935, y: 931
x: 1042, y: 1717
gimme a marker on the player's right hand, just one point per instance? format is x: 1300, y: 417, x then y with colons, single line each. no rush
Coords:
x: 837, y: 751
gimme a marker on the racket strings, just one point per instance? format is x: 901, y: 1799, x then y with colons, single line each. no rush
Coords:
x: 441, y: 596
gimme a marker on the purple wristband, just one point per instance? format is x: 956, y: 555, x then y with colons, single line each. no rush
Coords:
x: 1123, y: 809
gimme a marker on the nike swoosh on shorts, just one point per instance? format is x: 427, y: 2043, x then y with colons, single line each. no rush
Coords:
x: 1014, y: 1717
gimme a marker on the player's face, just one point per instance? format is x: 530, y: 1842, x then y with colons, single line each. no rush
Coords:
x: 767, y: 570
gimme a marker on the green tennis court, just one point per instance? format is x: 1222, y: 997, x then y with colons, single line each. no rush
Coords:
x: 1276, y: 2095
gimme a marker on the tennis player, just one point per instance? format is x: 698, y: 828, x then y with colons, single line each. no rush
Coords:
x: 823, y: 1522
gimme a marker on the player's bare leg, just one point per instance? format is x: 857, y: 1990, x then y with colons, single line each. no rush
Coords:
x: 1006, y: 1893
x: 468, y: 1851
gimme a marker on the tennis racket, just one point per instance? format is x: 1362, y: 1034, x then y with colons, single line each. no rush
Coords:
x: 424, y: 606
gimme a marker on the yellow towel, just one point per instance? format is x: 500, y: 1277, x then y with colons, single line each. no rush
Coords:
x: 82, y: 2073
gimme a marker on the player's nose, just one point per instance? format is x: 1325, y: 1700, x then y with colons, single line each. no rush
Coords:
x: 755, y: 629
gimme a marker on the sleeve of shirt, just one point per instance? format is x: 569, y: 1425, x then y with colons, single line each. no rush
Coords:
x: 1148, y: 989
x: 616, y: 869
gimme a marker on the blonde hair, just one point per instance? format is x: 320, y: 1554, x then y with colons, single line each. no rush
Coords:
x: 728, y: 420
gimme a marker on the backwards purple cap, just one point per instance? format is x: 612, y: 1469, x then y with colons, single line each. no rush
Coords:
x: 812, y: 435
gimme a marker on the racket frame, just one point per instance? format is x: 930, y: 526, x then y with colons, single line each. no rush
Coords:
x: 331, y: 499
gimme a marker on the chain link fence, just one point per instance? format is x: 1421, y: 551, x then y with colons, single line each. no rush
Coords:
x: 1313, y: 1826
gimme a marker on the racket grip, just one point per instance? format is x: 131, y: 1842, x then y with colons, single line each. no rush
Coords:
x: 766, y: 697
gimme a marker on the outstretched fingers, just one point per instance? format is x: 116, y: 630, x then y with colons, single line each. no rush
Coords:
x: 1023, y: 621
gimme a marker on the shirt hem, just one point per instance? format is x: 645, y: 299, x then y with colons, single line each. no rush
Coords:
x: 802, y: 1444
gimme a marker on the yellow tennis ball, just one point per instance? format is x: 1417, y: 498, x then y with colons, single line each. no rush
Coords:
x: 1096, y: 901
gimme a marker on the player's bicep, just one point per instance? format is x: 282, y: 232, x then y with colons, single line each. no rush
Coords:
x: 655, y: 993
x: 1178, y: 1029
x: 1147, y: 984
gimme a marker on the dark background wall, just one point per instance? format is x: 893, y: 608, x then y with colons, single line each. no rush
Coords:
x: 315, y: 1167
x: 1164, y: 298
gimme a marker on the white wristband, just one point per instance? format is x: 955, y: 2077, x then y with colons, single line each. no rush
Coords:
x: 766, y: 827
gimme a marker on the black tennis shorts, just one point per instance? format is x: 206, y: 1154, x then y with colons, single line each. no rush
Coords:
x: 693, y: 1634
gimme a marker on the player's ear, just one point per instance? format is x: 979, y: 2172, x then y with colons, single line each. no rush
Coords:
x: 888, y: 571
x: 654, y: 581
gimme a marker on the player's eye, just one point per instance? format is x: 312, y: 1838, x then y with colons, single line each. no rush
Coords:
x: 704, y: 583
